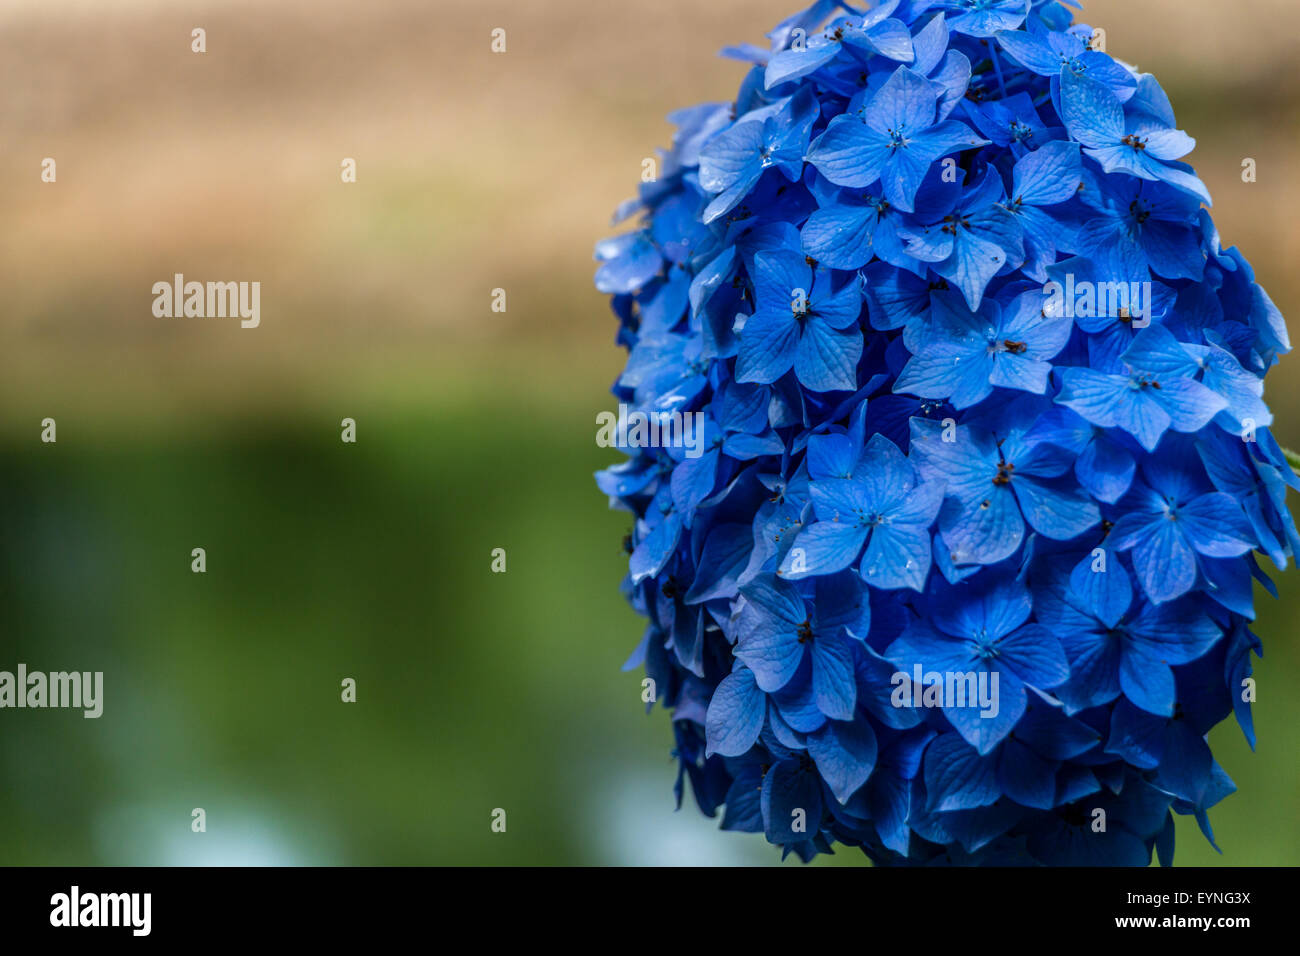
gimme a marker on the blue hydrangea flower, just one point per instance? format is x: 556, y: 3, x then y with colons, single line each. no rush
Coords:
x: 959, y: 557
x: 800, y: 323
x: 893, y: 139
x: 874, y: 509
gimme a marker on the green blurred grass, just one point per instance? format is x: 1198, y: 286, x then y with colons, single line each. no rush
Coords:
x: 475, y: 690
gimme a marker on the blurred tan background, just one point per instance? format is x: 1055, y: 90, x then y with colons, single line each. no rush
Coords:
x: 475, y: 171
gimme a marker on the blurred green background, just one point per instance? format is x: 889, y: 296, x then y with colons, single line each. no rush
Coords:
x: 475, y: 429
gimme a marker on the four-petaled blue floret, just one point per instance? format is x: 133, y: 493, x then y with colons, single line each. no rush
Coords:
x: 958, y: 565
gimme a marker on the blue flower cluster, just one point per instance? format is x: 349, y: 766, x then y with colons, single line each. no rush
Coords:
x: 961, y: 570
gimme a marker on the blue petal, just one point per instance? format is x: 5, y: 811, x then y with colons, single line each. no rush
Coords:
x: 1106, y: 469
x: 1092, y: 113
x: 1058, y: 510
x: 840, y: 236
x: 823, y: 547
x: 735, y: 715
x: 1030, y: 51
x: 791, y: 797
x: 956, y: 777
x: 1026, y: 777
x: 898, y: 556
x: 845, y: 753
x: 849, y: 153
x: 986, y: 727
x: 826, y: 359
x: 769, y: 639
x: 1035, y: 655
x: 834, y: 685
x: 767, y: 347
x: 1101, y: 586
x: 792, y: 64
x: 725, y: 555
x: 984, y: 528
x: 1165, y: 563
x: 980, y: 252
x: 1215, y: 525
x: 630, y: 261
x: 732, y: 156
x: 1050, y: 174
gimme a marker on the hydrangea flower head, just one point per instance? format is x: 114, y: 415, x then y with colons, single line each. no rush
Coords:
x: 958, y: 567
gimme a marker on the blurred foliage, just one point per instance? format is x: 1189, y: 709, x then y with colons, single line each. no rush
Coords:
x: 476, y: 690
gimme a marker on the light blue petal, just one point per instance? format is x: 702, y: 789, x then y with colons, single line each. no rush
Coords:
x: 735, y: 715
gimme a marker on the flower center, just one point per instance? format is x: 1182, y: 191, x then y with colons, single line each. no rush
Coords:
x: 950, y: 224
x: 1140, y: 210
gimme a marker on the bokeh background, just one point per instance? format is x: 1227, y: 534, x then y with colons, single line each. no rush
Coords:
x: 475, y: 429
